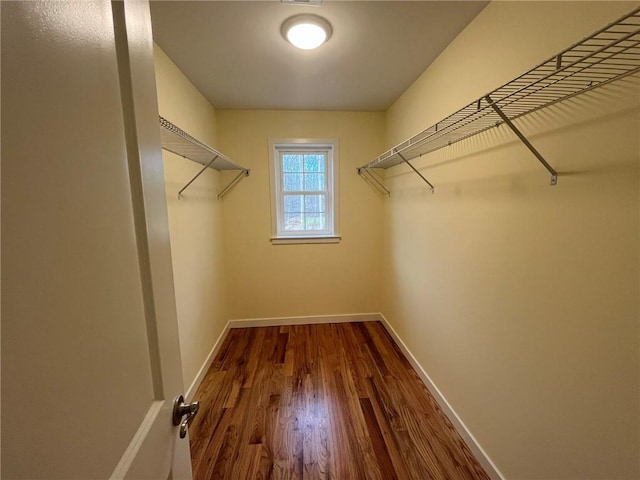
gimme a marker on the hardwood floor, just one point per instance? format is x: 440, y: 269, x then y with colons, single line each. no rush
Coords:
x: 331, y: 401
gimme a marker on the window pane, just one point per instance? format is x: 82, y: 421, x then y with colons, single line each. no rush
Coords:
x: 303, y: 188
x: 314, y: 182
x: 314, y: 163
x: 314, y: 221
x: 314, y: 203
x: 291, y: 163
x: 293, y: 203
x: 293, y: 221
x: 292, y: 182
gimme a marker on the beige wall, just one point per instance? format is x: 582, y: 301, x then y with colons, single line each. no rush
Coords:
x: 268, y: 280
x: 194, y: 221
x: 519, y: 299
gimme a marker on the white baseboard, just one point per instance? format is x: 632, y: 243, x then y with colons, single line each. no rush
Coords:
x: 462, y: 429
x: 205, y: 367
x: 276, y: 322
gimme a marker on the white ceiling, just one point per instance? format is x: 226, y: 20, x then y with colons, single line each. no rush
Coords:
x: 234, y: 53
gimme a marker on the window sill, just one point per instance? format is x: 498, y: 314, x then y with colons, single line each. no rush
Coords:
x: 300, y: 240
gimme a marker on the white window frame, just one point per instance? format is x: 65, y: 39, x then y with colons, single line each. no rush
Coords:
x: 278, y: 234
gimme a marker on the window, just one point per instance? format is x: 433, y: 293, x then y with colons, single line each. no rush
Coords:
x: 304, y: 191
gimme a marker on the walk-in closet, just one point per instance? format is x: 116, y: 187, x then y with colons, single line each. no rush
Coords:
x: 407, y: 247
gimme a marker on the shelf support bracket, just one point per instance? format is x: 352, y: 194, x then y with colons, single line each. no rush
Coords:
x: 373, y: 180
x: 197, y: 175
x: 236, y: 179
x: 416, y: 170
x: 523, y: 139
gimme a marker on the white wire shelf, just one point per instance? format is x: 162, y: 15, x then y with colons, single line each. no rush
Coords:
x: 607, y: 55
x: 181, y: 143
x: 178, y: 141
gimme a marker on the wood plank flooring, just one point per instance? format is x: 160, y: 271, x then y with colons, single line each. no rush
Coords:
x: 331, y: 401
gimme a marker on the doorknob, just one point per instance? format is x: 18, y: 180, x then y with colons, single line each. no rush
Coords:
x: 180, y: 409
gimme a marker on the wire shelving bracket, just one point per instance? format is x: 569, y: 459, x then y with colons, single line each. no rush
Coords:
x: 374, y: 180
x: 177, y: 141
x: 605, y: 56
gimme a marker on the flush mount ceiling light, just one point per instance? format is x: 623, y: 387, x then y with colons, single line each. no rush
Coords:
x: 306, y: 31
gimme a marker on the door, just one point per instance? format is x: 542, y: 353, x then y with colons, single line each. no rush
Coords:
x: 90, y: 354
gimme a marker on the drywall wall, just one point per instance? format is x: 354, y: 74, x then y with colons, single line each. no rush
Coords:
x: 194, y: 221
x: 268, y: 280
x: 521, y: 300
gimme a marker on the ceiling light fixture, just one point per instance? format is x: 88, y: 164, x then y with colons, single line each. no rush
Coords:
x: 306, y: 31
